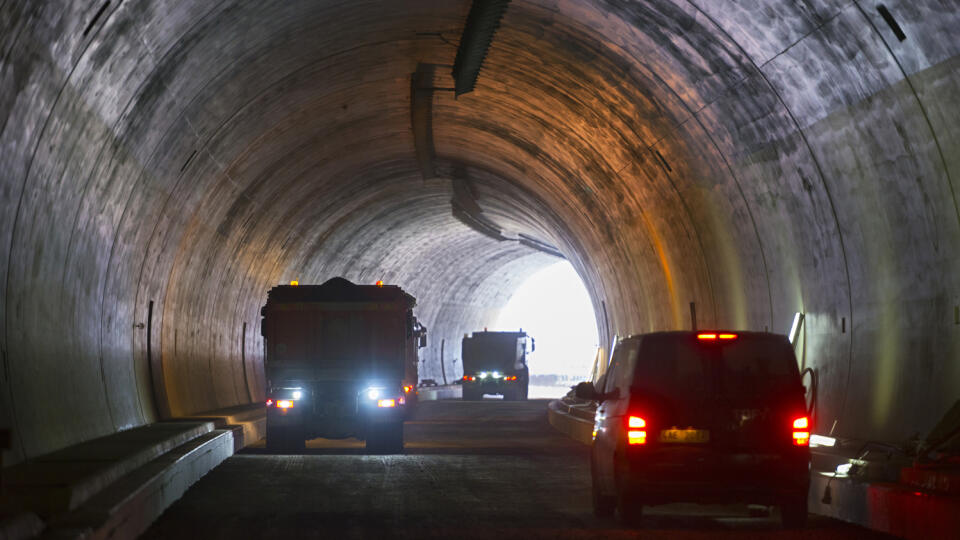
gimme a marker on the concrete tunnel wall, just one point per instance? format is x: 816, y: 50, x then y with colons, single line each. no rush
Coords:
x: 757, y: 157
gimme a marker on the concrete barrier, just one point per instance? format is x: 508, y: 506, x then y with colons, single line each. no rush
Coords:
x: 573, y: 425
x: 126, y: 508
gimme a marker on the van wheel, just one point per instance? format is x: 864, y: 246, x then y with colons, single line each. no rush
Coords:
x: 793, y: 513
x: 629, y: 510
x: 385, y: 439
x: 603, y: 505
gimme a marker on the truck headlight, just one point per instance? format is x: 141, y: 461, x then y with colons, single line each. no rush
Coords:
x: 496, y: 375
x: 482, y: 374
x: 373, y: 392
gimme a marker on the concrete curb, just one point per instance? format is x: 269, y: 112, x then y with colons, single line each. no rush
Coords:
x: 127, y: 508
x: 63, y: 480
x: 578, y: 429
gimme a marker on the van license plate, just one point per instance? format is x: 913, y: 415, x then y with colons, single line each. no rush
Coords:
x: 684, y: 436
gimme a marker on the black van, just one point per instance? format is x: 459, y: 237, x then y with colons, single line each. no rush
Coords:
x: 704, y: 417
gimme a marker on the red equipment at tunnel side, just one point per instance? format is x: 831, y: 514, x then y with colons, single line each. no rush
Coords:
x: 341, y: 361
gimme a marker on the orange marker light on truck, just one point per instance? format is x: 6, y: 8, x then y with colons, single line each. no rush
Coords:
x: 380, y: 283
x: 801, y: 431
x: 285, y: 403
x: 727, y: 336
x: 707, y: 336
x: 387, y: 403
x: 636, y: 436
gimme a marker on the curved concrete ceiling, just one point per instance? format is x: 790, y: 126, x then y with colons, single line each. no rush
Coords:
x: 165, y: 163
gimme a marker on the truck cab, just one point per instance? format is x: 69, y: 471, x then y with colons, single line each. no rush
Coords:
x: 341, y: 361
x: 496, y: 363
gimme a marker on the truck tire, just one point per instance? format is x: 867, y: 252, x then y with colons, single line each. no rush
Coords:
x: 284, y: 440
x: 385, y: 439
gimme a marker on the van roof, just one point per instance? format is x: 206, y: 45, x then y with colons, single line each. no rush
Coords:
x: 741, y: 334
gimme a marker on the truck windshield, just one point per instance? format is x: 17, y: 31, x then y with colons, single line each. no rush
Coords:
x: 744, y: 370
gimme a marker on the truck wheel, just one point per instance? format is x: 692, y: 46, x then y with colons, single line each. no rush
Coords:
x: 793, y: 513
x: 284, y: 439
x: 385, y: 439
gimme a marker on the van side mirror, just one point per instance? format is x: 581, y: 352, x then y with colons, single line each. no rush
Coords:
x: 586, y: 390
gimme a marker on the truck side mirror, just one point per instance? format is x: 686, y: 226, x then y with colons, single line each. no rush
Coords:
x: 533, y: 344
x: 423, y: 340
x: 586, y: 390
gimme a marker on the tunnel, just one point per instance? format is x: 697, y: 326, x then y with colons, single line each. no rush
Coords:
x: 164, y: 164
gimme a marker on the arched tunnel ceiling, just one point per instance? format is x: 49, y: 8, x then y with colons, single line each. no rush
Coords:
x: 757, y: 158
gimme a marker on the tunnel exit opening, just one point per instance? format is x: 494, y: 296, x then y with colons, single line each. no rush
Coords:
x: 553, y: 306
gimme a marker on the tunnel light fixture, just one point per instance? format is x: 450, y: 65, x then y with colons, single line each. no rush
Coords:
x: 707, y: 337
x: 727, y: 336
x: 795, y: 327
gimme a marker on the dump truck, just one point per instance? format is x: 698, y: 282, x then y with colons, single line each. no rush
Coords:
x: 496, y: 363
x: 340, y: 362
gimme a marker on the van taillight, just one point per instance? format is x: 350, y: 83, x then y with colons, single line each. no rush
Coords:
x: 635, y: 433
x: 801, y: 431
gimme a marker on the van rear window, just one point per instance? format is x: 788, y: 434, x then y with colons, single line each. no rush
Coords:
x: 679, y: 366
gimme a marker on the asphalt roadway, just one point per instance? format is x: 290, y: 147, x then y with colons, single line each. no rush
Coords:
x: 487, y: 470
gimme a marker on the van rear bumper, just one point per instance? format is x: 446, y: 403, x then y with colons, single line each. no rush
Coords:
x: 740, y: 478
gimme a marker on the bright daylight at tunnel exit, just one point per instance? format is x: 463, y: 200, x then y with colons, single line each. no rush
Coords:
x: 479, y: 268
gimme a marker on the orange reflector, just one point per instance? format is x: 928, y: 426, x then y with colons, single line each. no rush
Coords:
x: 706, y: 336
x: 294, y: 282
x: 285, y: 403
x: 636, y: 422
x: 801, y: 423
x: 637, y: 437
x: 380, y: 283
x: 510, y: 378
x: 728, y: 336
x: 387, y: 403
